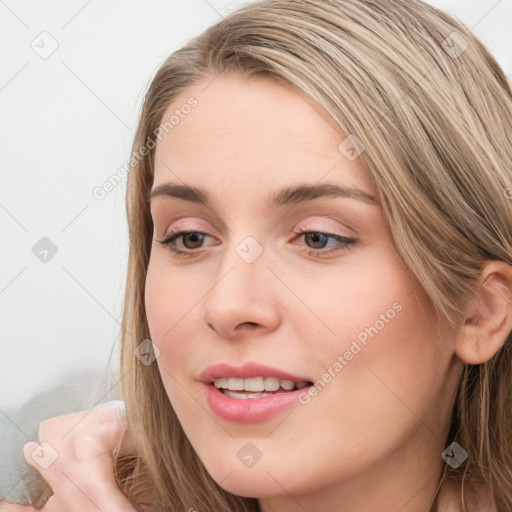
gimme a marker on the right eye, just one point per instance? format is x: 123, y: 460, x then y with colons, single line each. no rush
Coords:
x: 191, y: 240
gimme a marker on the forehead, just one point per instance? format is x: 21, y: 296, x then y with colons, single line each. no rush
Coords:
x: 253, y: 130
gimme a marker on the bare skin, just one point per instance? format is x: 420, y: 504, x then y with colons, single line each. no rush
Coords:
x: 381, y: 422
x: 372, y: 438
x: 74, y: 456
x: 91, y: 471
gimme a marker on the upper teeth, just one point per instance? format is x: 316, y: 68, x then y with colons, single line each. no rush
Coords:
x: 256, y: 384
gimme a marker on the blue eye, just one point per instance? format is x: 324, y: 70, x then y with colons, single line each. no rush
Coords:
x: 320, y: 240
x: 193, y: 240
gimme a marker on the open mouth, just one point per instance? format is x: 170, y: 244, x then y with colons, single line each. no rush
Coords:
x: 256, y: 387
x: 254, y: 399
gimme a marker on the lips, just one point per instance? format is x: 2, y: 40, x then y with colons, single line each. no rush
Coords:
x: 250, y: 409
x: 247, y: 406
x: 247, y: 371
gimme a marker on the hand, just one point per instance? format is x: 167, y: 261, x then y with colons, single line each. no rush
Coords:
x: 74, y: 456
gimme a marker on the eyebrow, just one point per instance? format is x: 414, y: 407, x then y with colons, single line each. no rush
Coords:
x: 289, y: 195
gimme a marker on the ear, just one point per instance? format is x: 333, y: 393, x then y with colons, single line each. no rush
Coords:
x: 488, y: 319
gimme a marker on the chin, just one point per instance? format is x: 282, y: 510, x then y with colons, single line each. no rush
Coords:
x: 250, y: 484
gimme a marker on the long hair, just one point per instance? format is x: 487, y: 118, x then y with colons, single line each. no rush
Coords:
x: 432, y: 109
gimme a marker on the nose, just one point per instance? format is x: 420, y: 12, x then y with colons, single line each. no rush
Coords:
x: 242, y: 301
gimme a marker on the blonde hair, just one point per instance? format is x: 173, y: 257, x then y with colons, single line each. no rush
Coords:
x: 433, y: 111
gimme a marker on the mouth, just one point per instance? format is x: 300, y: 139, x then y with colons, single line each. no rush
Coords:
x: 256, y: 387
x: 247, y: 406
x: 252, y: 392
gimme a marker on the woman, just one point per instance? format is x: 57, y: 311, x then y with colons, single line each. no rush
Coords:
x: 320, y: 211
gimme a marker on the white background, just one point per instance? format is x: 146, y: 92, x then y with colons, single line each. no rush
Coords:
x: 66, y: 124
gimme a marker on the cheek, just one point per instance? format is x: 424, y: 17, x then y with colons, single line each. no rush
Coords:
x: 373, y: 343
x: 358, y: 302
x: 170, y: 303
x: 169, y: 300
x: 390, y: 369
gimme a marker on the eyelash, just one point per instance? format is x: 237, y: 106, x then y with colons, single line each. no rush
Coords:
x: 344, y: 243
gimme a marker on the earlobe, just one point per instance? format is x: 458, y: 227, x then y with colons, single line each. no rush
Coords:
x: 488, y: 321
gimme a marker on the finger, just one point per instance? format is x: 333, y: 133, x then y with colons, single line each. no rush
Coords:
x: 57, y: 436
x: 105, y: 423
x: 110, y: 421
x: 61, y: 427
x: 75, y: 457
x: 13, y: 507
x: 86, y: 491
x: 89, y: 450
x: 46, y: 460
x: 40, y: 456
x: 79, y: 486
x: 57, y: 430
x: 102, y: 432
x: 115, y: 410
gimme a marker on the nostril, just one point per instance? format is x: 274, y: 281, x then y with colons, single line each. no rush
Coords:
x: 247, y: 325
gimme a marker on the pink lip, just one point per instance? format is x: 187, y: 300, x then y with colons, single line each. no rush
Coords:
x: 246, y: 371
x: 251, y: 409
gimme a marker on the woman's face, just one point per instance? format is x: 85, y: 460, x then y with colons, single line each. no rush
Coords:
x: 249, y: 287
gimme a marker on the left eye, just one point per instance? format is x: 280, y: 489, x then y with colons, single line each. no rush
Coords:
x: 193, y: 240
x: 320, y: 240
